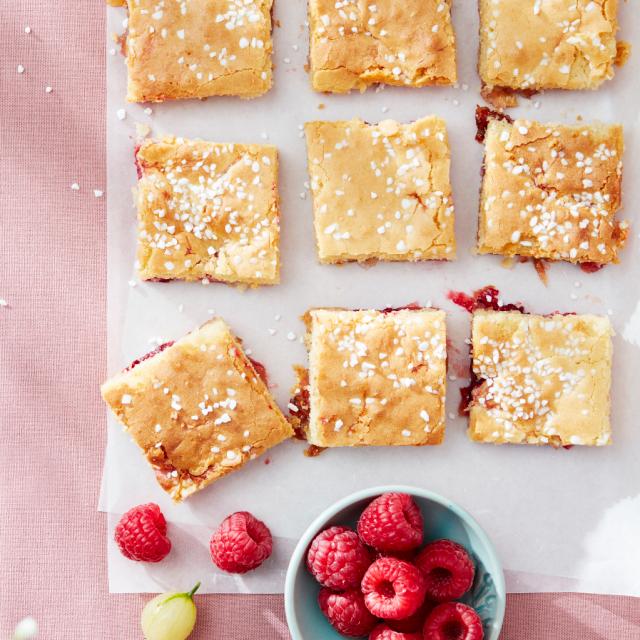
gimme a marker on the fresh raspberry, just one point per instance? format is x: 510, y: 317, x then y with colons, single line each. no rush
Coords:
x: 337, y: 558
x: 415, y: 621
x: 241, y: 543
x: 392, y: 522
x: 385, y: 632
x: 453, y: 621
x: 393, y: 589
x: 346, y: 612
x: 448, y: 570
x: 141, y: 534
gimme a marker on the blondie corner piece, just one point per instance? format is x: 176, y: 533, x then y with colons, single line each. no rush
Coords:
x: 197, y: 408
x: 531, y: 45
x: 381, y: 191
x: 540, y: 379
x: 376, y: 377
x: 552, y: 191
x: 198, y: 48
x: 208, y: 211
x: 356, y: 44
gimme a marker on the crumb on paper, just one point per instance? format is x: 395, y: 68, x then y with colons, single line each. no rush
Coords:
x: 623, y: 53
x: 142, y: 130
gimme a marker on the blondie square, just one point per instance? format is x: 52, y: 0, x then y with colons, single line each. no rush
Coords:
x: 381, y: 191
x: 208, y: 210
x: 355, y: 44
x: 197, y: 408
x: 376, y: 377
x: 198, y: 48
x: 547, y: 44
x: 552, y: 191
x: 540, y: 379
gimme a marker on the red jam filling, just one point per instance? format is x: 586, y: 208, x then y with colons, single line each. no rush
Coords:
x: 483, y: 116
x: 486, y: 298
x: 260, y: 370
x: 137, y: 162
x: 412, y: 306
x: 149, y: 355
x: 591, y: 267
x: 466, y: 393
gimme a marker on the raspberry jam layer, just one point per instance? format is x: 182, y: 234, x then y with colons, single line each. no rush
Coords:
x: 137, y: 162
x: 483, y: 116
x: 149, y: 355
x: 412, y: 306
x: 591, y: 267
x: 261, y: 370
x: 486, y: 298
x: 466, y: 393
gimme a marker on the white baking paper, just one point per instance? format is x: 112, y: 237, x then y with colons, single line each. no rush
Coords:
x: 561, y: 520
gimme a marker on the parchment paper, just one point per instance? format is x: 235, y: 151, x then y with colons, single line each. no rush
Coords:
x: 561, y: 520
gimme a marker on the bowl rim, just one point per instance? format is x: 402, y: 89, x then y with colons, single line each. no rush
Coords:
x: 297, y: 557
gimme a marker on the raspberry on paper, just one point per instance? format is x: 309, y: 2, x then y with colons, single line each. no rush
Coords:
x: 241, y: 543
x: 453, y: 621
x: 447, y: 568
x: 141, y: 534
x: 337, y: 558
x: 392, y: 522
x: 393, y: 589
x: 346, y: 612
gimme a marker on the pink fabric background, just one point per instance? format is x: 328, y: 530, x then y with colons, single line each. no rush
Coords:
x: 52, y: 358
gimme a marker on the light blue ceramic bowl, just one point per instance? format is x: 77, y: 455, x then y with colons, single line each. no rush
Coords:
x: 442, y: 519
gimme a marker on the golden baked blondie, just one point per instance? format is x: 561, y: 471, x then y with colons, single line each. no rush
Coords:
x: 197, y: 408
x: 547, y: 44
x: 375, y: 377
x: 381, y: 191
x: 208, y: 210
x: 198, y: 48
x: 540, y: 379
x: 355, y: 44
x: 551, y: 191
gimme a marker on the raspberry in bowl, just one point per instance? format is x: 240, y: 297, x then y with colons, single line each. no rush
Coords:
x: 425, y: 565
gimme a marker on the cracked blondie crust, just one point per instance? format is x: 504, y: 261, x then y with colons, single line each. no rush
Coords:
x: 551, y: 191
x: 381, y: 191
x: 375, y: 377
x: 198, y: 48
x: 540, y: 379
x: 532, y: 45
x: 355, y: 44
x: 208, y: 210
x: 198, y: 409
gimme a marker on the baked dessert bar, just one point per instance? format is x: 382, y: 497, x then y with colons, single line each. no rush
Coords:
x: 529, y: 45
x: 552, y: 191
x: 381, y: 191
x: 197, y: 408
x: 356, y: 44
x: 375, y: 377
x: 208, y: 210
x: 199, y: 48
x: 540, y: 379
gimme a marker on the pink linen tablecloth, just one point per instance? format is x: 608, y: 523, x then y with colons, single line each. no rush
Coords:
x: 52, y: 358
